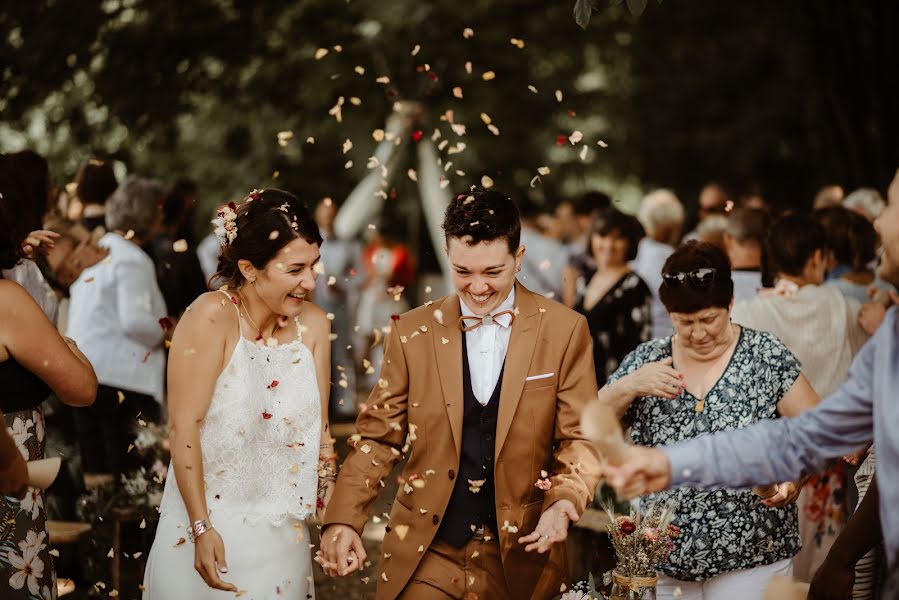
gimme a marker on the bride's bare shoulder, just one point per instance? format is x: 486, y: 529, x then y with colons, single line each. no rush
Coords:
x: 211, y: 308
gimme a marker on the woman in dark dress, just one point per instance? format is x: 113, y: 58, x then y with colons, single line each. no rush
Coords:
x: 34, y: 360
x: 616, y: 301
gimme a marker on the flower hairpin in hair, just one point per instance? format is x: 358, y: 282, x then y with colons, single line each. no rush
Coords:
x: 226, y: 224
x: 254, y: 195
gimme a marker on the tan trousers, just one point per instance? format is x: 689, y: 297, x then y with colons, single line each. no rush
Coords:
x: 472, y: 572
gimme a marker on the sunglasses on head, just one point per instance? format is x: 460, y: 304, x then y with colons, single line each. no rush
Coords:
x: 699, y: 277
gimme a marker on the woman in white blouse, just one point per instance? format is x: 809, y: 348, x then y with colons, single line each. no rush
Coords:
x: 118, y: 317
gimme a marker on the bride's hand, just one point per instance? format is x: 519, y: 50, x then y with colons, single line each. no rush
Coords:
x: 209, y: 560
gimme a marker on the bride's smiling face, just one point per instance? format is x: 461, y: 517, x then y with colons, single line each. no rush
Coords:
x: 288, y: 277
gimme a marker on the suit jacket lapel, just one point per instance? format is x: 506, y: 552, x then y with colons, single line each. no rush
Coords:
x: 449, y: 364
x: 518, y: 359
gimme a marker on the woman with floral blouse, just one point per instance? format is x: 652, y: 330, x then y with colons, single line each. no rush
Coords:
x: 713, y: 375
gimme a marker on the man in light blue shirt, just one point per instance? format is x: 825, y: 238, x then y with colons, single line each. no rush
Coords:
x: 863, y: 409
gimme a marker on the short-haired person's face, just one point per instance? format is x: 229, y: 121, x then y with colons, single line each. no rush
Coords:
x: 483, y: 273
x: 703, y: 334
x: 567, y: 220
x: 325, y: 214
x: 287, y: 278
x: 609, y: 251
x: 887, y: 226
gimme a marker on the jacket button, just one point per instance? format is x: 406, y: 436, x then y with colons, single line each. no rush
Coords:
x: 452, y: 475
x: 435, y: 519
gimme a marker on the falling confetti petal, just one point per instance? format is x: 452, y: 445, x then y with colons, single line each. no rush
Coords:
x: 558, y: 95
x: 575, y: 137
x: 457, y: 92
x: 543, y: 171
x: 488, y: 76
x: 468, y: 33
x: 486, y: 182
x: 321, y: 53
x: 532, y: 89
x: 517, y: 43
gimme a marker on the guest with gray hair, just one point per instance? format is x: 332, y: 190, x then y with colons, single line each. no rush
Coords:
x: 744, y: 236
x: 865, y: 201
x: 117, y: 315
x: 662, y: 216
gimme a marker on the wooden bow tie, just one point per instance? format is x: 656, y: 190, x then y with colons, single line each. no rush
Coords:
x: 485, y: 320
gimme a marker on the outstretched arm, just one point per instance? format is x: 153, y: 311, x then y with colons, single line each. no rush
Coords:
x: 766, y: 452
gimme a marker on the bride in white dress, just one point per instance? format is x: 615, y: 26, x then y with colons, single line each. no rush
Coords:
x: 248, y: 394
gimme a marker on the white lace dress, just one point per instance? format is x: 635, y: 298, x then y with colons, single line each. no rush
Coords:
x: 260, y: 443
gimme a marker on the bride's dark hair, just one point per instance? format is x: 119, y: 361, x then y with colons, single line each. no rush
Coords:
x: 266, y: 221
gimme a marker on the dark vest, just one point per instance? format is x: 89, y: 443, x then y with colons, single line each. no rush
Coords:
x: 467, y: 509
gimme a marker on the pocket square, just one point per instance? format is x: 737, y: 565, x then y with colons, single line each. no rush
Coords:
x: 543, y: 376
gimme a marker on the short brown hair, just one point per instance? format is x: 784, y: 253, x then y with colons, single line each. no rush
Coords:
x: 688, y: 297
x: 485, y: 215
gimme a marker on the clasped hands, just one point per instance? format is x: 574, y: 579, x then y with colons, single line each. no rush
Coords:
x: 342, y: 553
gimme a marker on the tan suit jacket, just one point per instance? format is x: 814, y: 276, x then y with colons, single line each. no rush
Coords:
x: 417, y: 407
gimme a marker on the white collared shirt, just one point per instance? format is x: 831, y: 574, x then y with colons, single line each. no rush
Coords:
x: 487, y: 347
x: 114, y: 313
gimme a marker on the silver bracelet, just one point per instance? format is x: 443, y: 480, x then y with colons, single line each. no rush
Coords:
x: 197, y: 529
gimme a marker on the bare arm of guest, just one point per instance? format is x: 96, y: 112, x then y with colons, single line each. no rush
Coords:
x: 27, y: 335
x: 13, y: 472
x: 800, y: 398
x: 196, y: 358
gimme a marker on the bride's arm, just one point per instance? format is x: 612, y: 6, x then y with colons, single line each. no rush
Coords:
x: 196, y: 359
x: 319, y: 333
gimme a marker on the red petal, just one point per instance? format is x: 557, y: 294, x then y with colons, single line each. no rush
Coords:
x: 165, y: 323
x: 395, y: 317
x: 561, y: 140
x: 266, y: 415
x: 417, y: 135
x: 273, y: 384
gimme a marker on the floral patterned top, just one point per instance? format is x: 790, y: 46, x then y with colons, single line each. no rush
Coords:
x: 723, y: 530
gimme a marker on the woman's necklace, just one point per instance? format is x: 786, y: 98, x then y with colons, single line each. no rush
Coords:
x: 700, y: 403
x: 250, y: 319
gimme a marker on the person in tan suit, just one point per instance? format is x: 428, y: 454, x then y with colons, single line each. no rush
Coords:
x: 483, y: 391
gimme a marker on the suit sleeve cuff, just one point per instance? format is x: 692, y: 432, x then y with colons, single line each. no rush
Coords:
x: 554, y: 495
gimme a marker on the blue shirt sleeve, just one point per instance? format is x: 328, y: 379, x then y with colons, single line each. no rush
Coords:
x: 783, y: 449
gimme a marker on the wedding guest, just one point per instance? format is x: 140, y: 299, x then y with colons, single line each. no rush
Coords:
x: 26, y: 177
x: 178, y: 272
x: 35, y: 360
x: 545, y: 259
x: 662, y: 216
x: 853, y: 243
x: 341, y: 260
x: 711, y: 230
x: 388, y: 270
x: 743, y: 239
x: 714, y: 201
x: 94, y: 184
x: 863, y: 409
x: 116, y: 314
x: 252, y: 455
x: 713, y: 375
x: 865, y: 201
x: 576, y: 218
x: 827, y: 196
x: 616, y: 302
x: 821, y: 328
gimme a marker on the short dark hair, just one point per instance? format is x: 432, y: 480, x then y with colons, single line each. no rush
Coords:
x: 11, y: 234
x: 27, y: 201
x: 485, y: 215
x: 174, y: 204
x: 688, y: 297
x: 612, y: 220
x: 96, y: 181
x: 266, y: 221
x: 851, y: 237
x: 792, y: 240
x: 591, y: 202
